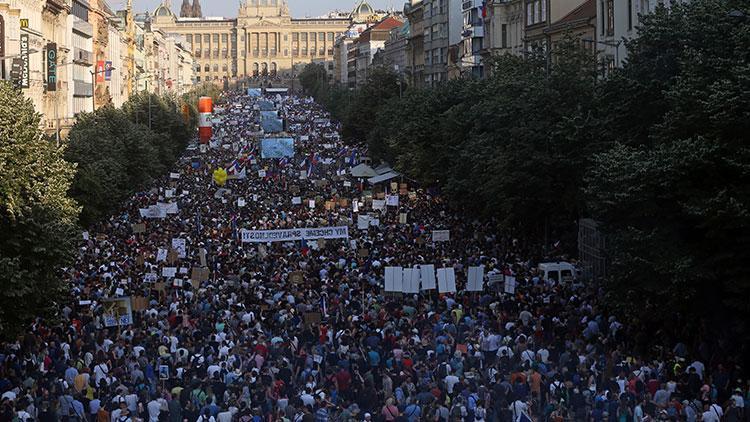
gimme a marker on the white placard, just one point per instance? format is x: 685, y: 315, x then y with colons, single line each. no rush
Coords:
x: 261, y: 173
x: 154, y: 211
x: 297, y: 200
x: 85, y: 235
x: 363, y: 222
x: 441, y: 235
x: 168, y: 272
x: 161, y: 255
x: 169, y: 193
x: 169, y: 208
x: 311, y: 203
x: 374, y: 222
x: 411, y: 280
x: 174, y: 175
x: 510, y: 285
x: 180, y: 245
x: 446, y: 280
x: 347, y: 184
x: 494, y: 278
x: 355, y: 206
x: 290, y: 235
x: 475, y: 282
x: 241, y: 202
x: 394, y: 281
x: 392, y: 200
x: 150, y: 277
x: 378, y: 204
x: 427, y: 274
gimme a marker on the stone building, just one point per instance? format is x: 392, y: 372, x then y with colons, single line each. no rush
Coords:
x: 263, y: 40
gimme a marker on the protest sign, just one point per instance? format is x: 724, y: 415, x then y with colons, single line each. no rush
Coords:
x: 168, y: 272
x: 288, y: 235
x: 441, y: 235
x: 411, y: 280
x: 296, y: 277
x: 392, y: 200
x: 153, y: 212
x: 427, y: 275
x: 139, y: 228
x: 161, y: 255
x: 475, y: 281
x: 378, y: 204
x: 174, y: 175
x: 240, y: 202
x: 510, y: 285
x: 85, y: 235
x: 363, y: 222
x: 139, y: 303
x: 311, y: 203
x: 296, y: 200
x: 200, y: 274
x: 446, y: 280
x: 180, y: 245
x: 150, y: 277
x: 169, y: 208
x: 402, y: 218
x: 312, y: 319
x: 493, y: 279
x: 394, y: 279
x: 117, y: 312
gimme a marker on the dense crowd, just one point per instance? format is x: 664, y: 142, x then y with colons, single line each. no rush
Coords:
x: 304, y: 331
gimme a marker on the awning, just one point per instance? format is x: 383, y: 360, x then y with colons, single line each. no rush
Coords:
x: 383, y: 178
x: 362, y: 170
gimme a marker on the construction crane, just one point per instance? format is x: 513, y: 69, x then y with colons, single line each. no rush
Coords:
x: 130, y: 28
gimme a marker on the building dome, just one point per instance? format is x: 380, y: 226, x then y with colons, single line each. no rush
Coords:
x: 362, y: 12
x: 163, y: 11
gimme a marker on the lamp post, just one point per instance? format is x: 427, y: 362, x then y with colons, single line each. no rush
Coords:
x: 93, y: 85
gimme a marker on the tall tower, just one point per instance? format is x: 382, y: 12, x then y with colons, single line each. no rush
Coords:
x: 197, y: 13
x: 186, y: 10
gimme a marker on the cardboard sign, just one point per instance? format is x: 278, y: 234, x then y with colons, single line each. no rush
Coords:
x: 200, y: 274
x: 172, y: 257
x: 140, y: 303
x: 330, y: 205
x: 296, y: 277
x: 311, y: 203
x: 378, y: 204
x: 139, y: 228
x: 321, y: 243
x: 343, y: 203
x: 312, y: 319
x: 402, y: 218
x: 394, y: 186
x: 296, y: 200
x: 139, y: 261
x: 160, y: 286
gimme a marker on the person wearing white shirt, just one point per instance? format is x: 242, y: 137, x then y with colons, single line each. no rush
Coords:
x: 505, y: 349
x: 519, y: 408
x: 227, y: 416
x: 154, y: 409
x: 450, y: 381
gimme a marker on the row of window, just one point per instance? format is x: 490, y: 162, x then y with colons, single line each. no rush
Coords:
x: 436, y: 32
x: 436, y: 56
x: 536, y: 12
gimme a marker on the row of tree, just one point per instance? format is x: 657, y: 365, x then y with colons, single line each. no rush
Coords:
x: 48, y: 192
x: 655, y: 151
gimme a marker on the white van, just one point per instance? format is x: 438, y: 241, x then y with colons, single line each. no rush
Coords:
x: 559, y: 271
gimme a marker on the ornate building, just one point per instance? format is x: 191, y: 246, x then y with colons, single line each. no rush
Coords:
x: 263, y: 40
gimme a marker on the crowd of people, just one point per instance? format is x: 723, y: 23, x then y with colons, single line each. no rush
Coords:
x: 305, y: 331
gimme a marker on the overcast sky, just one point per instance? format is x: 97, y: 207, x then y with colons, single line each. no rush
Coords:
x: 228, y: 8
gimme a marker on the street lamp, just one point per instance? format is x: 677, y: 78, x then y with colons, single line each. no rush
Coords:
x: 93, y: 85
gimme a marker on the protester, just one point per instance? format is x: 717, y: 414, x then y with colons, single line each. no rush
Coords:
x: 224, y: 330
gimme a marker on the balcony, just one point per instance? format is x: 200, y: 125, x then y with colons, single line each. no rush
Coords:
x: 81, y: 56
x: 473, y: 32
x: 470, y: 4
x: 82, y: 89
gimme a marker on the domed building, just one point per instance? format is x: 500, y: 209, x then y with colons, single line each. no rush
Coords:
x: 364, y: 13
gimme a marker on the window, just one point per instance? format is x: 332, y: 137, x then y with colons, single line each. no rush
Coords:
x: 330, y: 36
x: 216, y: 68
x: 189, y: 38
x: 197, y: 67
x: 603, y: 20
x: 529, y: 13
x: 610, y: 17
x: 295, y: 37
x: 304, y: 36
x: 224, y: 38
x: 197, y: 78
x: 224, y: 68
x: 321, y: 36
x: 427, y: 34
x: 543, y: 17
x: 630, y: 15
x: 207, y: 54
x: 216, y: 38
x: 207, y: 68
x: 198, y: 39
x: 80, y: 11
x: 504, y: 36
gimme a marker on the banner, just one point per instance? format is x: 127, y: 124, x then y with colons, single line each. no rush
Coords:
x: 263, y: 236
x: 154, y: 211
x: 411, y: 280
x: 99, y: 71
x: 427, y: 274
x: 107, y: 71
x: 51, y: 67
x: 26, y: 71
x: 277, y: 148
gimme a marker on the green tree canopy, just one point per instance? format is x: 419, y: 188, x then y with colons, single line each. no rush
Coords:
x: 37, y: 218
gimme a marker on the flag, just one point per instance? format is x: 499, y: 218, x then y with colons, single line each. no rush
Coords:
x: 353, y: 158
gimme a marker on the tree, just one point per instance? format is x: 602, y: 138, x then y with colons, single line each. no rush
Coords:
x: 674, y: 194
x: 381, y: 85
x: 115, y: 157
x: 37, y: 218
x: 314, y: 79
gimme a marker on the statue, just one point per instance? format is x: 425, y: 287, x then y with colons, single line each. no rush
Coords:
x: 284, y: 8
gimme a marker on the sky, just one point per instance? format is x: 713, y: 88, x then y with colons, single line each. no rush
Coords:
x: 228, y: 8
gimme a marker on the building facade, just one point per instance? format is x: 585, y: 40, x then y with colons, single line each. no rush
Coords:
x: 414, y: 11
x: 394, y: 50
x: 504, y: 28
x: 369, y: 42
x: 617, y: 20
x: 264, y: 40
x: 472, y: 38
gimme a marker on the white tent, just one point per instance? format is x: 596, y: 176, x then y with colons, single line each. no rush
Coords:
x: 362, y: 170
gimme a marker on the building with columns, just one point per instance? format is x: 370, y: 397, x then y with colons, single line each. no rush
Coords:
x: 263, y: 40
